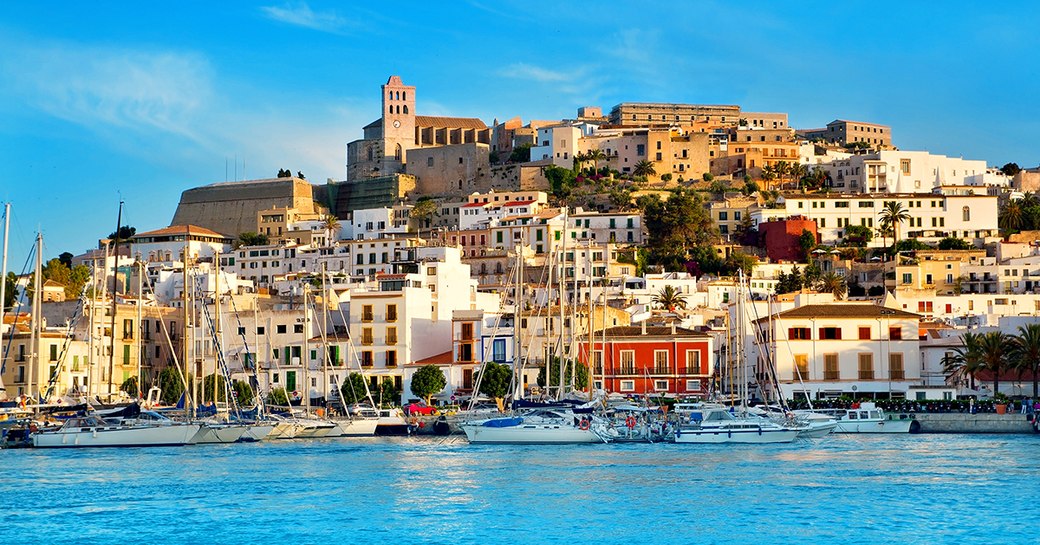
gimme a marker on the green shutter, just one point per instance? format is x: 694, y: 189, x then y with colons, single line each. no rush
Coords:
x: 126, y: 354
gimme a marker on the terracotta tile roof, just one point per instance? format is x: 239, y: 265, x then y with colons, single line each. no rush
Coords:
x: 180, y: 230
x: 651, y: 331
x: 518, y: 203
x: 476, y: 204
x: 449, y: 122
x: 443, y: 358
x: 843, y: 310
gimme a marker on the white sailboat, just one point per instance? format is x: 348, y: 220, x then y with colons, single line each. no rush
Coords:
x: 718, y: 425
x: 867, y: 418
x: 94, y: 431
x: 541, y: 426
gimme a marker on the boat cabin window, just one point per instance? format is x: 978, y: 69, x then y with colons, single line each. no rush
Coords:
x: 852, y: 415
x: 863, y: 415
x: 875, y: 414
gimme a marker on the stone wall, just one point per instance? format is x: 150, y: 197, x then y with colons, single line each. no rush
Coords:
x: 230, y: 208
x: 974, y: 423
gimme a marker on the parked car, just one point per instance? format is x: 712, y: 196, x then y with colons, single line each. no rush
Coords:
x: 419, y: 409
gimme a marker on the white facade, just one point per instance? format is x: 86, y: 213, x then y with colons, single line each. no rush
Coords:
x: 557, y: 143
x: 909, y: 172
x: 933, y: 216
x: 616, y: 227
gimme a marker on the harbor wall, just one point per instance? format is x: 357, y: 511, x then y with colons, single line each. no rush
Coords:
x: 975, y: 423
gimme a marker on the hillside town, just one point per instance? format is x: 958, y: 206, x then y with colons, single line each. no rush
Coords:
x: 686, y: 251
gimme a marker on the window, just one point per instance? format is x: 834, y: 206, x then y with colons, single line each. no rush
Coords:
x: 895, y: 333
x: 661, y: 362
x: 723, y: 216
x: 866, y: 366
x: 864, y: 333
x: 924, y: 306
x: 801, y: 366
x: 366, y: 335
x: 830, y: 333
x: 297, y: 328
x: 798, y: 333
x: 628, y: 362
x: 693, y: 385
x: 467, y: 331
x: 366, y: 358
x: 366, y: 313
x: 830, y: 367
x: 904, y: 166
x: 693, y: 362
x: 391, y: 335
x: 628, y: 385
x: 498, y: 350
x: 54, y: 352
x: 966, y: 214
x: 391, y: 313
x: 391, y: 358
x: 661, y: 385
x: 895, y: 366
x: 259, y: 330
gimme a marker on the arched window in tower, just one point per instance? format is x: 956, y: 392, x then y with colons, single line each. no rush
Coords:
x: 391, y: 95
x: 404, y: 95
x: 390, y: 108
x: 397, y: 152
x: 966, y: 213
x: 398, y: 108
x: 405, y: 108
x: 399, y: 95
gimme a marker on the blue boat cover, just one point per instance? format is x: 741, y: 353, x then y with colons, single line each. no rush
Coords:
x: 504, y: 422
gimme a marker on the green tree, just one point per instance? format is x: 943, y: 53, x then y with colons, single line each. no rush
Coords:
x: 123, y: 234
x: 561, y: 181
x: 621, y: 197
x: 954, y: 243
x: 806, y: 241
x: 644, y: 168
x: 963, y: 362
x: 284, y: 173
x: 857, y: 236
x: 243, y: 393
x: 718, y: 188
x: 390, y: 394
x: 278, y: 397
x: 520, y: 154
x: 669, y: 298
x: 596, y: 155
x: 423, y: 211
x: 676, y: 224
x: 206, y: 395
x: 495, y: 382
x: 750, y: 187
x: 11, y: 281
x: 995, y: 354
x: 580, y: 374
x: 1025, y: 354
x: 353, y: 389
x: 73, y: 279
x: 250, y: 238
x: 739, y: 261
x: 130, y: 387
x: 1010, y: 169
x: 172, y: 384
x: 812, y: 274
x: 892, y: 215
x: 1011, y: 216
x: 427, y: 381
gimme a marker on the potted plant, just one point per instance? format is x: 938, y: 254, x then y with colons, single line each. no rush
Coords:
x: 1000, y: 403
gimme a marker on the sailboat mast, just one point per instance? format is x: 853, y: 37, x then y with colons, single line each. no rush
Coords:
x: 115, y: 288
x: 3, y: 280
x: 218, y: 340
x: 325, y: 333
x: 140, y: 325
x: 35, y: 374
x: 305, y: 356
x: 91, y: 327
x: 184, y: 337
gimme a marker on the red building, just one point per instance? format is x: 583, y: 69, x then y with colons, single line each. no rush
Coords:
x: 652, y: 360
x: 780, y: 237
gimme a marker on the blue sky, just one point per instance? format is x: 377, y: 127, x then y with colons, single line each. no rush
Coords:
x: 140, y: 101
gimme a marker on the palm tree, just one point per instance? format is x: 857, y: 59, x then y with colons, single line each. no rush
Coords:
x: 595, y: 155
x: 331, y: 225
x: 1010, y: 217
x: 892, y: 215
x: 835, y: 284
x: 644, y: 168
x: 1025, y: 355
x: 782, y: 169
x: 960, y: 366
x: 670, y: 298
x: 768, y: 175
x: 995, y: 355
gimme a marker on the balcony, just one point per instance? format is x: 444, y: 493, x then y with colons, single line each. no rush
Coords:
x: 628, y: 369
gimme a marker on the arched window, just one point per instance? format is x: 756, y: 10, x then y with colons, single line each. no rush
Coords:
x: 399, y: 95
x: 405, y: 108
x: 404, y: 95
x: 391, y: 97
x: 398, y: 108
x: 390, y: 108
x: 397, y: 152
x: 966, y: 213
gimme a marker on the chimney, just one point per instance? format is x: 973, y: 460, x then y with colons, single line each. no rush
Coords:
x: 644, y: 327
x: 673, y: 329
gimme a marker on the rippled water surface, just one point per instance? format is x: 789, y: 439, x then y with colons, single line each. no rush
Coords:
x: 880, y: 489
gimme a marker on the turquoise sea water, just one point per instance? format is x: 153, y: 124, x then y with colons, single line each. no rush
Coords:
x: 848, y: 489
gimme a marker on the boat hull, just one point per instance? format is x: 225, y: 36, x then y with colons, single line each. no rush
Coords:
x: 874, y: 426
x: 116, y: 436
x: 219, y: 433
x: 359, y: 427
x: 529, y: 434
x: 746, y: 435
x: 816, y: 430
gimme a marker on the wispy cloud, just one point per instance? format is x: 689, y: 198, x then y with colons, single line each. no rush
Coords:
x: 531, y: 72
x: 120, y: 88
x: 300, y: 14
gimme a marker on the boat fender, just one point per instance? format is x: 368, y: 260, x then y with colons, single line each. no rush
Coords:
x: 413, y: 420
x: 584, y: 424
x: 630, y: 422
x: 760, y: 430
x: 915, y: 426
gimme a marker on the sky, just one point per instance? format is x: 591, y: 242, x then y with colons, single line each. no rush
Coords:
x: 139, y: 101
